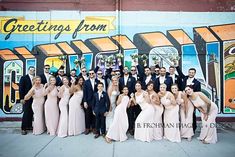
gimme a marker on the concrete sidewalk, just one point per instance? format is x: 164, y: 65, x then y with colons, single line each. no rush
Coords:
x: 13, y: 144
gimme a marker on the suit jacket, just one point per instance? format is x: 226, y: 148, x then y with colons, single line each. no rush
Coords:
x: 144, y: 85
x: 88, y: 92
x: 168, y: 82
x: 196, y: 84
x: 24, y: 86
x: 130, y: 84
x: 177, y: 80
x: 43, y: 79
x: 58, y: 81
x: 101, y: 105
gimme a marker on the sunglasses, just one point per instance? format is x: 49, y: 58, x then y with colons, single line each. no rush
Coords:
x: 61, y: 71
x: 99, y: 74
x: 91, y: 73
x: 46, y: 68
x: 133, y: 70
x: 118, y: 74
x: 83, y: 71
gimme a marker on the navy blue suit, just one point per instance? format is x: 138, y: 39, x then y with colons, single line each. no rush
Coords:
x: 196, y: 84
x: 177, y: 80
x: 168, y: 82
x: 58, y: 81
x: 99, y: 107
x: 24, y: 86
x: 130, y: 84
x: 88, y: 97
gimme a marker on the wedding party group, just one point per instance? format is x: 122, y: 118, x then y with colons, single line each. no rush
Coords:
x: 148, y: 103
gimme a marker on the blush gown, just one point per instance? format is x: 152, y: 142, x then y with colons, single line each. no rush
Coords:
x: 143, y: 131
x: 76, y: 114
x: 109, y: 117
x: 208, y: 129
x: 186, y: 123
x: 119, y: 126
x: 158, y: 127
x: 38, y: 112
x: 171, y: 120
x: 52, y: 112
x: 63, y: 122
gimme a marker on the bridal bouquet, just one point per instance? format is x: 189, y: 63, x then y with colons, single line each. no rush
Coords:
x: 63, y: 58
x: 119, y: 56
x: 101, y: 58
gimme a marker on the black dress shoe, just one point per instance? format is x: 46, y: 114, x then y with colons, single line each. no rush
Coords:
x: 87, y: 132
x: 23, y: 132
x: 30, y: 128
x: 131, y: 132
x: 97, y: 135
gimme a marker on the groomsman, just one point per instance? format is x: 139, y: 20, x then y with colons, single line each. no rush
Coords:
x: 46, y: 75
x: 163, y: 78
x: 84, y: 73
x: 190, y: 80
x: 25, y: 85
x: 72, y: 76
x: 127, y: 80
x: 147, y: 78
x: 59, y: 76
x: 89, y: 88
x: 102, y: 79
x: 175, y: 78
x: 100, y: 109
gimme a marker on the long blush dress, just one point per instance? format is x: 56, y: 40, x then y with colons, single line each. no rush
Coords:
x: 52, y: 112
x: 171, y: 120
x: 63, y: 122
x: 76, y: 114
x: 38, y: 112
x: 144, y: 121
x: 208, y: 129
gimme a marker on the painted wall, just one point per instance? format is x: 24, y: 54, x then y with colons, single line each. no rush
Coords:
x: 38, y: 38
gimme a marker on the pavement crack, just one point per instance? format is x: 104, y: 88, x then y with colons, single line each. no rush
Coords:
x: 183, y: 150
x: 113, y: 149
x: 44, y: 147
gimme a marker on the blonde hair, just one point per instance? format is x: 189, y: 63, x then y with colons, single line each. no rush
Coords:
x: 36, y: 77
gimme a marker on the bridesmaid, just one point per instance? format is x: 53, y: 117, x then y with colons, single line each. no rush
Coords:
x: 51, y: 106
x: 119, y: 126
x: 144, y: 121
x: 171, y: 115
x: 208, y: 111
x: 76, y: 112
x: 155, y: 101
x: 63, y: 105
x: 38, y: 105
x: 113, y: 92
x: 186, y: 113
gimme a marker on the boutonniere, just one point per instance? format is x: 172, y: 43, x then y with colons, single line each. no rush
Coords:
x: 129, y: 80
x: 175, y: 78
x: 95, y: 83
x: 101, y: 96
x: 192, y: 83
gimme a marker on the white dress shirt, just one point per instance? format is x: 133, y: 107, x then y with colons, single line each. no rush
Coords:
x: 47, y: 75
x: 31, y: 78
x: 190, y: 81
x: 148, y: 78
x: 93, y: 83
x: 126, y: 79
x: 162, y: 79
x: 173, y: 78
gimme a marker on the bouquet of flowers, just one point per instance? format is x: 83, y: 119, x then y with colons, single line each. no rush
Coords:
x: 101, y: 58
x: 119, y: 56
x: 63, y: 58
x: 80, y: 61
x: 144, y: 57
x: 134, y: 56
x: 83, y: 61
x: 155, y: 59
x: 110, y: 60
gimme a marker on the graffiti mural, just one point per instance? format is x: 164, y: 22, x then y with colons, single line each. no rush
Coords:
x: 55, y: 38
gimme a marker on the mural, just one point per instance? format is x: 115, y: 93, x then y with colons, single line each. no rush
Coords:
x: 65, y: 37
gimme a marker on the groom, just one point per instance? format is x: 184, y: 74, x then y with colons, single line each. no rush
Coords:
x: 100, y: 109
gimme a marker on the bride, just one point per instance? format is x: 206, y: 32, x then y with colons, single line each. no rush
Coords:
x: 113, y: 92
x: 144, y: 121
